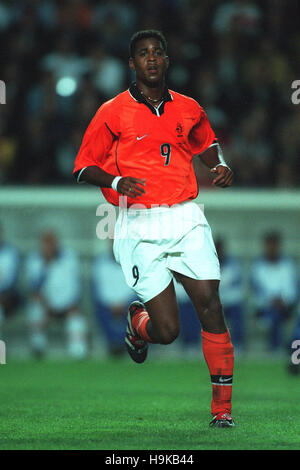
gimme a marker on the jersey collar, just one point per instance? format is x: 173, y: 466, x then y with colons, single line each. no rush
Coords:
x: 137, y: 96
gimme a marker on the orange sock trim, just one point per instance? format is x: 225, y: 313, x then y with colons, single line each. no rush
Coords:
x: 139, y: 323
x: 218, y: 353
x: 216, y: 338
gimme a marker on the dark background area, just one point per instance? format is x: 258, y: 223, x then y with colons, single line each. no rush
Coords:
x: 61, y: 59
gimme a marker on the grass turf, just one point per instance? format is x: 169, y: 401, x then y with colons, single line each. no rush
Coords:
x: 120, y: 405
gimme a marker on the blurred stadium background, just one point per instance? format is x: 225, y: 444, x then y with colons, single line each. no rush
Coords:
x: 60, y: 60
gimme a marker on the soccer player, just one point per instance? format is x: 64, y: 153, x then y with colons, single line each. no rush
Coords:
x: 138, y: 149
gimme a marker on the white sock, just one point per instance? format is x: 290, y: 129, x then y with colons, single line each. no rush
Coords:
x: 76, y: 329
x: 36, y: 315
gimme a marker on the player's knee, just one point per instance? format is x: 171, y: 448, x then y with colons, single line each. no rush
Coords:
x: 211, y: 302
x: 168, y: 334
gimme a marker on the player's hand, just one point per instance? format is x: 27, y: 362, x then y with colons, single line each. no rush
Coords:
x: 131, y: 187
x: 224, y: 176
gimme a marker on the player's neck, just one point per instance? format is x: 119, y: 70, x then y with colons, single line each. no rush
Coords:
x: 152, y: 95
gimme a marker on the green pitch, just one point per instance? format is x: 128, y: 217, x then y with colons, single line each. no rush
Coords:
x: 120, y: 405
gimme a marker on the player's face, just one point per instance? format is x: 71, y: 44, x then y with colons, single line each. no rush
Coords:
x: 49, y: 246
x: 150, y: 62
x: 272, y: 249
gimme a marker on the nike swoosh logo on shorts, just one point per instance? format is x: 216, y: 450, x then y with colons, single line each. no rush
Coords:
x: 140, y: 138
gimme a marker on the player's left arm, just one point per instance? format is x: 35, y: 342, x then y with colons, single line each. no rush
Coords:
x: 205, y: 146
x: 212, y: 158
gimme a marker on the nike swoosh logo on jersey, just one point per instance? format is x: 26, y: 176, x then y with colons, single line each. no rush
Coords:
x: 140, y: 138
x: 224, y: 380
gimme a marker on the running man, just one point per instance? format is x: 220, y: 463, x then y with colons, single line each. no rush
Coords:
x: 138, y: 148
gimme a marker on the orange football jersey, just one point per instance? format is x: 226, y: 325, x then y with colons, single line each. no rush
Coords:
x: 129, y: 137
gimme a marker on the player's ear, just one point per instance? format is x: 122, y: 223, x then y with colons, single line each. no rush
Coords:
x: 167, y: 60
x: 131, y: 63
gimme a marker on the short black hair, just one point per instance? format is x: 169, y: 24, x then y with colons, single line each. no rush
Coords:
x: 145, y: 34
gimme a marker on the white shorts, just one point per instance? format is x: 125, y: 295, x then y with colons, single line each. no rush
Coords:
x: 151, y: 244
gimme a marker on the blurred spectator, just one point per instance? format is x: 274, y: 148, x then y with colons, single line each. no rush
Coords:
x: 111, y: 297
x: 46, y: 11
x: 232, y: 294
x: 64, y: 61
x: 242, y: 16
x: 9, y: 269
x: 108, y: 72
x: 6, y: 14
x: 275, y: 284
x: 41, y: 92
x: 54, y: 282
x: 74, y: 15
x: 115, y: 20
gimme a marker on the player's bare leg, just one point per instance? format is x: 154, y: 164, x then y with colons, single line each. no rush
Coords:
x: 155, y: 322
x: 163, y: 326
x: 216, y: 344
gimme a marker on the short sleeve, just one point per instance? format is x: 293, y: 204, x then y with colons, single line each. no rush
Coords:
x: 98, y: 139
x: 201, y: 135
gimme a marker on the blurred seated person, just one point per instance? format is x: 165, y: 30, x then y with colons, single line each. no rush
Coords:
x: 232, y: 294
x: 54, y: 281
x: 9, y: 269
x: 190, y: 327
x: 111, y: 297
x: 274, y: 282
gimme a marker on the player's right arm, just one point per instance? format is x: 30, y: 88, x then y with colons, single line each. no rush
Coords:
x: 96, y: 145
x: 128, y: 186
